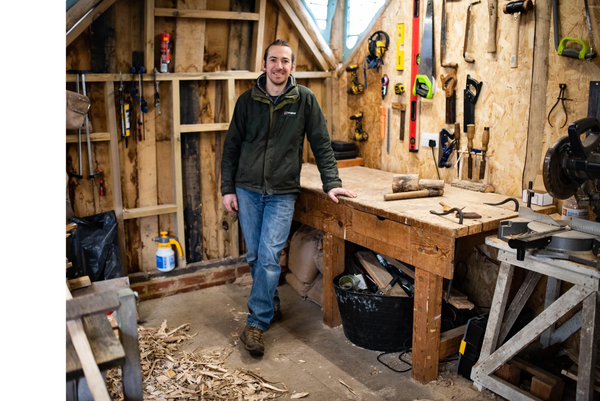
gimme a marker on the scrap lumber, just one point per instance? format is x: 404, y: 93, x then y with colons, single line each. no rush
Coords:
x: 80, y: 282
x: 378, y: 273
x: 458, y: 299
x: 472, y: 186
x: 86, y: 357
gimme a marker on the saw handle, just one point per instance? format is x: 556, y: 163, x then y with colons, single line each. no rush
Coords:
x: 493, y: 17
x: 470, y: 136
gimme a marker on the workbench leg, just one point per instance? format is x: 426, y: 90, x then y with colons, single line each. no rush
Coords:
x: 587, y: 348
x: 334, y: 251
x: 426, y: 326
x: 128, y: 335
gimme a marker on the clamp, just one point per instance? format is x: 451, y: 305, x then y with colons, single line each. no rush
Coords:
x: 561, y: 98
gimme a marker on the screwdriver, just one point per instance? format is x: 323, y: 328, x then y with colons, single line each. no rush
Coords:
x: 457, y: 141
x: 470, y: 136
x: 485, y: 139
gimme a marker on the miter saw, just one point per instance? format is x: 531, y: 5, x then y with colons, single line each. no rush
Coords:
x: 571, y: 168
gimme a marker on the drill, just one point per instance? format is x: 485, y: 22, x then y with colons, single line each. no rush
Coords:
x: 356, y: 88
x: 359, y: 134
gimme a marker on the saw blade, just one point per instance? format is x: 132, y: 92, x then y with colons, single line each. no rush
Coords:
x: 558, y: 184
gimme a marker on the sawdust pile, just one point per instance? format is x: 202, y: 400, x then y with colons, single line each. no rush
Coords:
x: 168, y: 375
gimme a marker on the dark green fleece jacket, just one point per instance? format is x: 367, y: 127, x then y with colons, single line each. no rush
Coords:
x: 264, y: 144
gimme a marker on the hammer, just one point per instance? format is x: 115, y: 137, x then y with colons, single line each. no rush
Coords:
x: 515, y: 8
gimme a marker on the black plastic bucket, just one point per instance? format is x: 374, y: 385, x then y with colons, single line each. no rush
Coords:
x: 379, y: 323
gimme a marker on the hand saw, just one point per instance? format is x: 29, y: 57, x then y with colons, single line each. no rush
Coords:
x: 424, y: 84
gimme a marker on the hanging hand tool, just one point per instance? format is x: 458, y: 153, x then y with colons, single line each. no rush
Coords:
x: 469, y: 101
x: 382, y: 120
x: 412, y: 125
x: 424, y: 84
x: 468, y: 58
x: 516, y: 8
x: 156, y: 94
x: 400, y: 47
x: 449, y: 86
x: 384, y: 85
x: 359, y: 134
x: 89, y: 142
x: 389, y: 116
x: 402, y: 108
x: 101, y: 182
x: 356, y: 88
x: 493, y: 17
x: 124, y: 108
x: 134, y: 96
x: 399, y: 88
x: 470, y: 136
x: 587, y: 50
x: 443, y: 40
x: 485, y: 139
x: 445, y: 148
x: 457, y: 144
x: 143, y: 105
x: 79, y: 176
x: 561, y: 98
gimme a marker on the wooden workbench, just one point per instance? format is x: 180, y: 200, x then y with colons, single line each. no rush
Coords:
x: 404, y: 230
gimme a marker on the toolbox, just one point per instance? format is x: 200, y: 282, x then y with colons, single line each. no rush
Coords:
x: 344, y: 150
x: 341, y: 146
x: 470, y: 346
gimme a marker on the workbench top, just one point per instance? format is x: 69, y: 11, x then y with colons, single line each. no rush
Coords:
x: 371, y: 184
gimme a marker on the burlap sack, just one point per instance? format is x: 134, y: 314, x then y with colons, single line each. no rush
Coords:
x: 75, y: 107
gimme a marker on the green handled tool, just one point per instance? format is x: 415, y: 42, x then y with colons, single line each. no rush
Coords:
x: 587, y: 49
x: 424, y: 85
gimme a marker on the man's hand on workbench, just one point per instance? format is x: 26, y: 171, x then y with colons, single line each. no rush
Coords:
x: 230, y: 202
x: 340, y: 192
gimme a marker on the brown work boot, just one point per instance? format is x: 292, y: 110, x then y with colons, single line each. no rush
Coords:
x: 252, y: 338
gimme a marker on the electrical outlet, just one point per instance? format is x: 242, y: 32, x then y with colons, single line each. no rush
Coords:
x: 425, y: 138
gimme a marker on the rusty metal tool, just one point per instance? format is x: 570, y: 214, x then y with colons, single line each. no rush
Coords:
x: 516, y: 8
x: 561, y: 97
x: 493, y: 17
x: 402, y: 108
x: 466, y: 215
x: 485, y: 139
x: 468, y: 58
x: 449, y: 86
x: 470, y: 136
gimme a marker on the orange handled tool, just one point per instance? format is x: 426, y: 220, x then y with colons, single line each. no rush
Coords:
x: 382, y: 120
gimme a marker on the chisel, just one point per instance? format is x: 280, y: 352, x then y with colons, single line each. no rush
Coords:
x: 470, y: 136
x: 485, y: 139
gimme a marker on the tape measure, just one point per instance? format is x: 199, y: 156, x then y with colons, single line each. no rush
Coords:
x: 399, y: 89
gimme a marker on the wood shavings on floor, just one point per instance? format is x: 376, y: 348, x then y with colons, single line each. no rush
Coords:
x: 169, y: 374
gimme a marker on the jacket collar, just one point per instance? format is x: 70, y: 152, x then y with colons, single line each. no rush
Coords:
x: 259, y: 89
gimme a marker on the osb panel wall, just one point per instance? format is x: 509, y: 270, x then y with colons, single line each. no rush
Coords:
x: 502, y: 105
x: 146, y: 167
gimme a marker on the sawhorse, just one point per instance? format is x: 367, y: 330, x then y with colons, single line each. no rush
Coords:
x: 586, y: 284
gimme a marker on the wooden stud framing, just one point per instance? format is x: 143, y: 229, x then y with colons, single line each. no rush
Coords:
x: 234, y: 235
x: 333, y: 265
x: 205, y: 14
x: 204, y: 127
x: 148, y: 211
x: 258, y: 36
x: 149, y: 35
x: 177, y: 170
x: 95, y: 137
x: 194, y: 76
x: 87, y: 21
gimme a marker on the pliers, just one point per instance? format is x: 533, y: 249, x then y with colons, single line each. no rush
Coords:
x: 561, y: 97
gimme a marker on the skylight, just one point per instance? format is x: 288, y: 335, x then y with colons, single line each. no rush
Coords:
x: 322, y: 12
x: 359, y: 14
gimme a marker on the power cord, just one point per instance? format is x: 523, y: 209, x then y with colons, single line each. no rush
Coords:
x: 405, y: 351
x: 432, y: 145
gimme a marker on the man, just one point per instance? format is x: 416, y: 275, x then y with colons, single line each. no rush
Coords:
x: 260, y: 175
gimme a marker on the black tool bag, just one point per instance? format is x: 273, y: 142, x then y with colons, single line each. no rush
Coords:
x: 341, y: 146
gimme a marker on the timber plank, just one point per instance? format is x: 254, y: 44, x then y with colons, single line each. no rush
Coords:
x: 191, y: 35
x: 240, y: 36
x: 333, y: 265
x: 258, y: 35
x: 216, y: 39
x: 164, y: 157
x: 103, y: 42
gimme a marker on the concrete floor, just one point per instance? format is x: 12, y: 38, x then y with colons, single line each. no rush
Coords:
x: 300, y: 350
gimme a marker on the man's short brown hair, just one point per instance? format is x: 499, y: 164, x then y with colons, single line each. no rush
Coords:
x: 279, y: 42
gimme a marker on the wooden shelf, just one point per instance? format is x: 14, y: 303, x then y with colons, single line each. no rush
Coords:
x: 190, y: 76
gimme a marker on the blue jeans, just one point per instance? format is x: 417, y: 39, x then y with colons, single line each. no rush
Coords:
x: 265, y: 221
